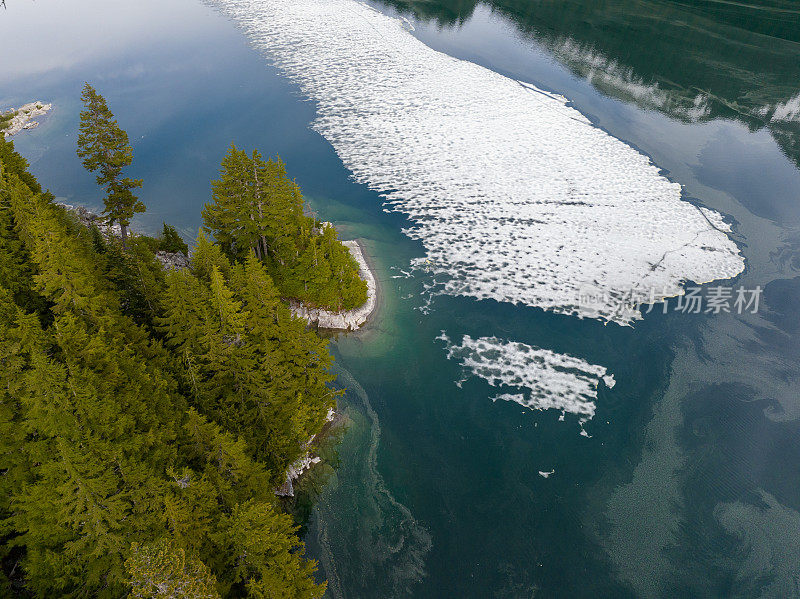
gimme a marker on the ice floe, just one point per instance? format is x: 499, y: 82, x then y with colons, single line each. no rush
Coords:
x: 514, y: 194
x: 536, y: 378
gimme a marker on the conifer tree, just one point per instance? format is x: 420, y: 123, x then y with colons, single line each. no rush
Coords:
x: 171, y: 241
x: 250, y: 545
x: 258, y: 210
x: 165, y: 570
x: 93, y: 395
x: 104, y: 148
x: 137, y: 277
x: 254, y: 367
x: 127, y: 467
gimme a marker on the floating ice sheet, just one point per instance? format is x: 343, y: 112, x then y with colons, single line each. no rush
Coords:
x: 536, y: 378
x: 515, y: 195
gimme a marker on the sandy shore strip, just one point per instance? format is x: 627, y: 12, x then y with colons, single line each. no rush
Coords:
x: 349, y: 320
x: 23, y: 119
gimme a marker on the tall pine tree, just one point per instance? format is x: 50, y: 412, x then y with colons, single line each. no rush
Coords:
x: 104, y: 148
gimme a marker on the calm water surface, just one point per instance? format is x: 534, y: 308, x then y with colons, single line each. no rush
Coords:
x: 686, y: 483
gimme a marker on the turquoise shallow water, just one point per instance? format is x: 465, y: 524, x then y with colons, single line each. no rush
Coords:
x: 686, y: 483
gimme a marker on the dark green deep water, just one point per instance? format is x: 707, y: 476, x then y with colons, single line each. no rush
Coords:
x: 688, y: 485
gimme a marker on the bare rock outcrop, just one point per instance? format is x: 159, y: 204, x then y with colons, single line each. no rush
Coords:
x: 173, y: 260
x: 23, y: 117
x: 168, y: 260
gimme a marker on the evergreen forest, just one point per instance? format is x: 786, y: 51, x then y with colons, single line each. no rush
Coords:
x: 148, y: 415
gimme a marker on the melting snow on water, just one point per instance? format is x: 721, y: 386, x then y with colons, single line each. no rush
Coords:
x: 515, y: 195
x: 536, y: 378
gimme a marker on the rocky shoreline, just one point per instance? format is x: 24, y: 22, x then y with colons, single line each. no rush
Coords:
x: 89, y: 219
x: 302, y: 465
x: 23, y: 119
x: 348, y: 320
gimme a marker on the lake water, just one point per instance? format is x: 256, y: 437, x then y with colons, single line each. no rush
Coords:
x: 681, y: 479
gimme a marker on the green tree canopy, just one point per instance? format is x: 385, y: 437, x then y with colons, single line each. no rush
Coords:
x: 128, y: 466
x: 257, y: 210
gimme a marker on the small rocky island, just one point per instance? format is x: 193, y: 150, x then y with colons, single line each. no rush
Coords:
x: 346, y: 320
x: 257, y: 210
x: 15, y: 120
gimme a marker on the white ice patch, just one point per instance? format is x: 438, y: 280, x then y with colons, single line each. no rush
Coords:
x: 536, y: 378
x: 515, y: 195
x: 788, y: 111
